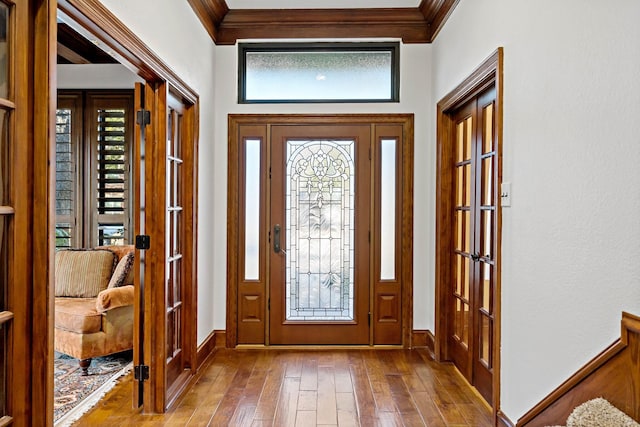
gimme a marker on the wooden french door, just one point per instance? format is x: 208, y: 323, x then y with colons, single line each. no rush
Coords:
x: 472, y: 315
x: 166, y: 189
x: 320, y: 223
x: 320, y: 229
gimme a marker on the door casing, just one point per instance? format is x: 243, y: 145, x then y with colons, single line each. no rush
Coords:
x: 488, y: 74
x: 259, y: 125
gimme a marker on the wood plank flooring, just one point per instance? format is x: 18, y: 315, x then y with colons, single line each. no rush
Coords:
x: 291, y: 388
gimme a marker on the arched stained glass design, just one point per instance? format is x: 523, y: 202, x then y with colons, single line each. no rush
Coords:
x: 320, y: 204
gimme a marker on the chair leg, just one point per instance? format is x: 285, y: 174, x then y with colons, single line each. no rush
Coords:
x: 84, y: 364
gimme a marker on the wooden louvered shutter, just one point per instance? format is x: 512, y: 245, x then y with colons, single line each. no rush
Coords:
x: 111, y: 141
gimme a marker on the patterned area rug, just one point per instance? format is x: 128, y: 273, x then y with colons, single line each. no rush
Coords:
x: 75, y: 394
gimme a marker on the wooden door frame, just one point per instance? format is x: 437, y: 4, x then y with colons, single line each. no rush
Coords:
x: 233, y: 205
x: 94, y: 17
x: 489, y: 73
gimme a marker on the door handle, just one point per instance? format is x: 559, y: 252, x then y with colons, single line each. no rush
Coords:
x: 276, y: 238
x: 475, y: 257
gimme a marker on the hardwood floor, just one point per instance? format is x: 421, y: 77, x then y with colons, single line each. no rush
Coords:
x: 274, y: 387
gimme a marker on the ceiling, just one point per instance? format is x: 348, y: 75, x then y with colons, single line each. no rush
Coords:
x: 73, y: 48
x: 412, y: 21
x: 319, y: 4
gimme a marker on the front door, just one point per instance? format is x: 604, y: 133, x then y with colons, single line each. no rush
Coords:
x: 320, y: 223
x: 320, y: 216
x: 474, y: 242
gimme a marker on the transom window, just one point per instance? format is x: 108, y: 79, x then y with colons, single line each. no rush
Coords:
x: 318, y: 72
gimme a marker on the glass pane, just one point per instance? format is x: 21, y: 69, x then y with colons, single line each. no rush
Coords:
x: 111, y: 159
x: 4, y: 50
x: 487, y: 234
x: 4, y: 157
x: 465, y: 324
x: 458, y: 274
x: 487, y: 145
x: 457, y: 320
x: 459, y: 224
x: 65, y: 195
x: 485, y: 340
x: 460, y: 186
x: 485, y: 304
x: 111, y: 234
x: 466, y: 280
x: 460, y: 142
x: 313, y: 75
x: 487, y: 181
x: 467, y: 232
x: 4, y: 282
x: 320, y: 196
x: 63, y: 235
x: 468, y: 136
x: 3, y: 370
x: 252, y: 210
x: 388, y: 210
x: 467, y: 185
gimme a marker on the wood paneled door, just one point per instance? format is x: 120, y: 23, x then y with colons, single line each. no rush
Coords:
x: 468, y: 229
x: 317, y: 214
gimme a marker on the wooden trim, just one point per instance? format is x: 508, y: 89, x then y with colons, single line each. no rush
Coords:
x: 503, y: 421
x: 155, y: 315
x: 211, y: 13
x: 207, y: 348
x: 490, y: 72
x: 407, y: 24
x: 423, y: 339
x: 40, y: 214
x: 221, y: 339
x: 233, y: 231
x: 436, y: 13
x: 127, y: 48
x: 233, y: 203
x: 412, y: 25
x: 614, y: 375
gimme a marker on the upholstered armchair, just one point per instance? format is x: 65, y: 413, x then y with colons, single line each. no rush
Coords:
x: 94, y: 302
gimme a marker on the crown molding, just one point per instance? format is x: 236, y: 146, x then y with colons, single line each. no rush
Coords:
x: 411, y: 25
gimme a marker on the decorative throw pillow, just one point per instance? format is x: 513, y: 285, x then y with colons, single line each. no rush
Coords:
x: 122, y: 271
x: 83, y: 273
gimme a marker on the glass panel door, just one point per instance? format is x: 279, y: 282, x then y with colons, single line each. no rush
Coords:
x: 474, y: 244
x: 319, y: 281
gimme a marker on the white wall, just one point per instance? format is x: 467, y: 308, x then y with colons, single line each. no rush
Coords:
x: 172, y: 30
x: 571, y: 150
x: 95, y: 76
x: 415, y: 93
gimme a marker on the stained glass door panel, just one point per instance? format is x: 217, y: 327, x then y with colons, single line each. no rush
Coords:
x: 319, y: 271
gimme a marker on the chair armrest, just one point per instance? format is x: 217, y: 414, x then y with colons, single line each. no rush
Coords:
x: 114, y: 297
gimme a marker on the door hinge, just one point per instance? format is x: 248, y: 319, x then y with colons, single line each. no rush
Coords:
x: 143, y: 117
x: 269, y: 304
x: 370, y: 316
x: 141, y: 372
x: 143, y: 241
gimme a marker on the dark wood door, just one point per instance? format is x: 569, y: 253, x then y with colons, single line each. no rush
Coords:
x: 320, y: 214
x: 474, y: 246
